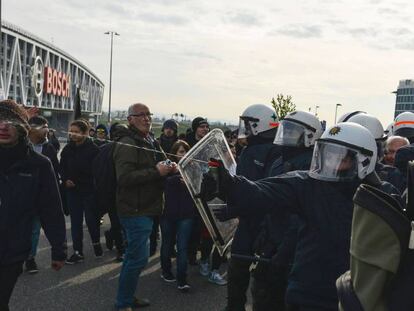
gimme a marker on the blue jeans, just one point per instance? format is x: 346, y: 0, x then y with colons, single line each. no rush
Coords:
x: 35, y: 237
x: 138, y: 230
x: 79, y: 204
x: 183, y: 229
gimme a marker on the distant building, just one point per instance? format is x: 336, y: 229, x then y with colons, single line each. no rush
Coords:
x: 405, y: 97
x: 36, y: 73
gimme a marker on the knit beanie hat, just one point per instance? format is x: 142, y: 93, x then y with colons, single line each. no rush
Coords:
x: 12, y: 112
x: 170, y: 124
x: 102, y: 127
x: 197, y: 122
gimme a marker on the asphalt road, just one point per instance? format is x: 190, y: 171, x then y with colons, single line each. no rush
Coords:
x: 92, y: 285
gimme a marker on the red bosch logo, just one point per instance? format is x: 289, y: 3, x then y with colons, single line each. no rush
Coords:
x: 56, y: 82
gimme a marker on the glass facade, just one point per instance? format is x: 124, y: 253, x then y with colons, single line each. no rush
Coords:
x: 405, y: 97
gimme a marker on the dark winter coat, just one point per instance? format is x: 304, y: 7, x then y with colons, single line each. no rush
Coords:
x: 76, y: 165
x: 392, y: 175
x: 28, y: 188
x: 325, y: 216
x: 178, y: 201
x: 139, y: 185
x: 402, y: 157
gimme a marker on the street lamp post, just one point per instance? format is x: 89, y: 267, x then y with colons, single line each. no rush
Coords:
x: 336, y: 110
x: 112, y: 33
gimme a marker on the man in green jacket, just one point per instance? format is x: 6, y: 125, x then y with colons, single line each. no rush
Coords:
x: 139, y: 170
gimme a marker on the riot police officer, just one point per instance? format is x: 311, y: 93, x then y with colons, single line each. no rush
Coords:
x: 385, y: 172
x: 296, y: 136
x: 344, y: 156
x: 258, y: 123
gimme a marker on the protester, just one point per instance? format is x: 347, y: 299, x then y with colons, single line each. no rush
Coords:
x: 168, y: 135
x: 38, y: 139
x: 199, y: 129
x: 101, y: 135
x: 51, y: 135
x: 392, y: 145
x: 139, y: 173
x: 28, y: 188
x: 176, y: 222
x: 76, y: 165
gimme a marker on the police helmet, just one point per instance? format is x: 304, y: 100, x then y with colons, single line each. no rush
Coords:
x: 345, y: 152
x: 371, y: 123
x: 257, y: 119
x: 404, y: 125
x: 346, y: 116
x: 298, y: 129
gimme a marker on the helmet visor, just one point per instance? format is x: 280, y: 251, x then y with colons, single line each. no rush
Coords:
x: 290, y: 134
x: 245, y: 129
x: 332, y: 162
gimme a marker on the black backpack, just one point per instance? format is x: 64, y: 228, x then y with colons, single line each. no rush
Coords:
x: 103, y: 171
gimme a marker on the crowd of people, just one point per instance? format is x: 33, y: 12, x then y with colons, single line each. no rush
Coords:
x: 292, y: 195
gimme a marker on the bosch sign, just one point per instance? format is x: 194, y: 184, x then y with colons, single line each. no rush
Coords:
x: 56, y: 82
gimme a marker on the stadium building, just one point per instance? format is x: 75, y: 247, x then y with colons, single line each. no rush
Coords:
x: 405, y: 97
x: 36, y: 73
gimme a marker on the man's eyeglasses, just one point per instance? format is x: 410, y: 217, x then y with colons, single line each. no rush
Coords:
x: 142, y: 115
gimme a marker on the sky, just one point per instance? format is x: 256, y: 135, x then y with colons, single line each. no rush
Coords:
x: 213, y: 58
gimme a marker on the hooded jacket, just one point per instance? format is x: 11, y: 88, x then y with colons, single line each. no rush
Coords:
x: 139, y: 185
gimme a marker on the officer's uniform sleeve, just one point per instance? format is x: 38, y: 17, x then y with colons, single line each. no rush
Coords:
x: 268, y: 195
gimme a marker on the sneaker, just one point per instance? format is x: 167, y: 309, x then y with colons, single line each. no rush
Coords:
x: 140, y: 302
x: 75, y: 258
x: 183, y: 287
x: 97, y: 248
x: 204, y: 268
x: 109, y: 242
x: 31, y: 266
x: 168, y: 277
x: 216, y: 278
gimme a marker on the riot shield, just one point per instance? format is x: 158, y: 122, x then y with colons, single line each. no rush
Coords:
x: 192, y: 167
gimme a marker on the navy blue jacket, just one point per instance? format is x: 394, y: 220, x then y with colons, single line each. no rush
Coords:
x: 252, y: 164
x: 325, y: 216
x: 76, y: 165
x: 28, y: 188
x: 178, y: 202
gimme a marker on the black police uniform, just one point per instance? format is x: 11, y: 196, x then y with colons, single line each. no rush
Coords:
x: 277, y: 238
x: 253, y: 164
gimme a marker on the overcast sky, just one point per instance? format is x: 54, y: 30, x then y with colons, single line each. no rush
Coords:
x: 213, y: 58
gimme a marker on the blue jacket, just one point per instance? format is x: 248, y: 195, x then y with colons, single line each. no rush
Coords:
x: 178, y: 202
x: 325, y: 216
x: 28, y: 188
x: 252, y: 164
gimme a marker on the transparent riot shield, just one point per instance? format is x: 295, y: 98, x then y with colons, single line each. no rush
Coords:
x: 192, y: 167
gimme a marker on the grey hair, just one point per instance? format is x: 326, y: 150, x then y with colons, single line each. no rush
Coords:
x: 131, y: 108
x: 394, y: 138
